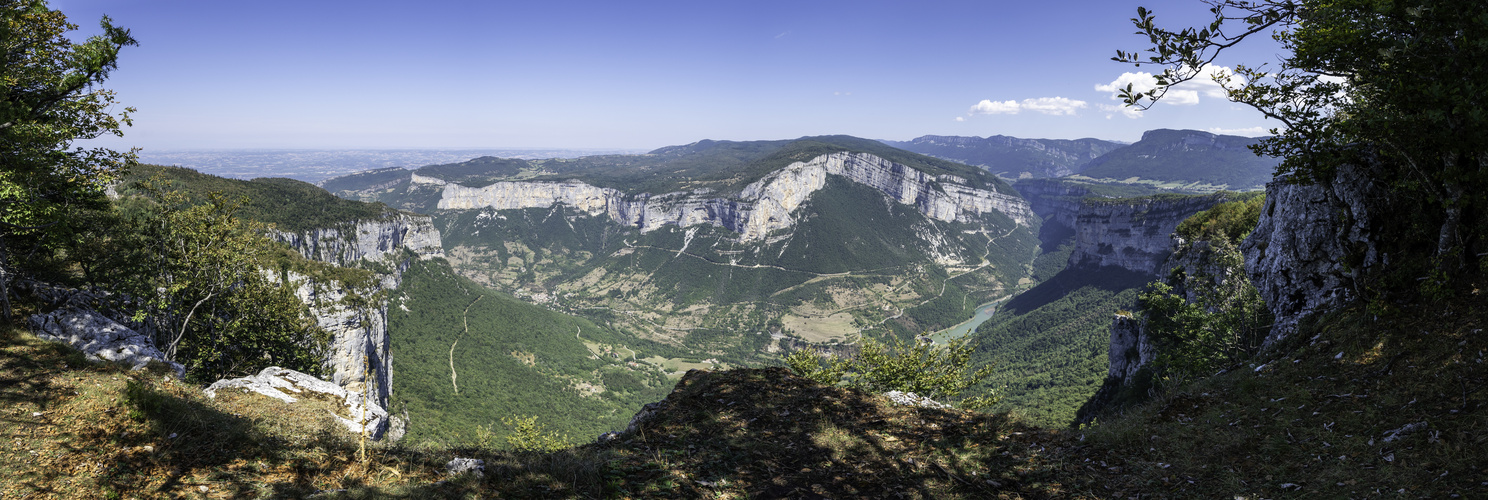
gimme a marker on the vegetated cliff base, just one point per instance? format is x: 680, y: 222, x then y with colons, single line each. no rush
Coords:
x: 1049, y: 345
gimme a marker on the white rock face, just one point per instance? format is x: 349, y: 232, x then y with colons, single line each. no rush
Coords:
x: 101, y: 338
x: 359, y: 357
x: 371, y: 240
x: 284, y: 384
x: 902, y: 398
x: 761, y: 207
x: 1136, y: 235
x: 1295, y: 255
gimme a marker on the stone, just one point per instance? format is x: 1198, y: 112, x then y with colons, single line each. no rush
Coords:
x: 902, y: 398
x: 462, y: 465
x: 101, y: 338
x: 1130, y: 350
x: 284, y: 384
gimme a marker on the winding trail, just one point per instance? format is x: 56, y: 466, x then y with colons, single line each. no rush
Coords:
x: 464, y: 318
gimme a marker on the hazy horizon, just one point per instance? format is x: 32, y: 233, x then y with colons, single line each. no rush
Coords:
x: 599, y: 75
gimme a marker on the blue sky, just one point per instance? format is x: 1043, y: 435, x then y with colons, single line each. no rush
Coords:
x: 553, y: 74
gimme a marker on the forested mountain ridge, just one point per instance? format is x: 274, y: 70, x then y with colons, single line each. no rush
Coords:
x: 1012, y: 157
x: 1185, y: 159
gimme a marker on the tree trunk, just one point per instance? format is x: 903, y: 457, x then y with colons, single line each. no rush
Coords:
x: 1450, y: 255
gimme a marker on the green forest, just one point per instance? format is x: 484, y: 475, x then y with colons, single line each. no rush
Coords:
x: 515, y: 359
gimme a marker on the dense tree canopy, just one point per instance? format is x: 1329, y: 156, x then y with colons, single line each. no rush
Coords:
x: 49, y: 98
x: 1396, y: 87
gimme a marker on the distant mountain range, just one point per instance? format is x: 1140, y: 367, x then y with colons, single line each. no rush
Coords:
x: 1187, y: 160
x: 1010, y: 156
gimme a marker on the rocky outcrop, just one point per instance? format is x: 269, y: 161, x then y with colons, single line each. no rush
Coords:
x: 366, y: 240
x: 100, y: 338
x: 358, y: 413
x: 761, y: 207
x: 1312, y: 242
x: 1132, y: 233
x: 359, y: 358
x: 1130, y: 349
x: 902, y: 398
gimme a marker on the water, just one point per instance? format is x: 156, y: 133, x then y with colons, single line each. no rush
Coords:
x: 983, y: 313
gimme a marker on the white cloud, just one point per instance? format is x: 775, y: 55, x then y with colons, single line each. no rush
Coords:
x: 1128, y: 111
x: 1183, y: 94
x: 1178, y: 97
x: 987, y: 107
x: 1046, y: 105
x: 1247, y: 131
x: 960, y: 118
x: 1053, y: 105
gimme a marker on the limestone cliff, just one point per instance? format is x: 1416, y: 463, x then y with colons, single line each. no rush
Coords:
x: 1311, y: 244
x: 758, y: 209
x: 1132, y: 233
x: 366, y: 240
x: 358, y: 358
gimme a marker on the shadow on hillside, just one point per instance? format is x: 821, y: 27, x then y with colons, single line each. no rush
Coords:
x: 775, y: 435
x: 1054, y: 234
x: 1109, y: 278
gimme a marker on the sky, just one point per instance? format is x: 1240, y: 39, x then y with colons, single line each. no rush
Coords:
x: 329, y: 74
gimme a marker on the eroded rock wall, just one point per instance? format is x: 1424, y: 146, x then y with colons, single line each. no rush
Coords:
x: 366, y: 240
x: 1135, y: 233
x: 761, y: 207
x: 359, y: 358
x: 1311, y: 244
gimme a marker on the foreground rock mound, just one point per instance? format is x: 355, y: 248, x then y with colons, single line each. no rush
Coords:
x: 101, y: 338
x: 284, y: 384
x: 766, y: 433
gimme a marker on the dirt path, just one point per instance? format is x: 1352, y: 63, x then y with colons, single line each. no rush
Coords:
x: 464, y: 318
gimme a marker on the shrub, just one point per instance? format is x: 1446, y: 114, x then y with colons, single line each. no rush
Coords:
x: 936, y: 372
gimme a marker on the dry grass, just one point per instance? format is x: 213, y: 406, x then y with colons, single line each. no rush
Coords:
x: 77, y: 429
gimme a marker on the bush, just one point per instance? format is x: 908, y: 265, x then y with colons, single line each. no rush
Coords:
x: 528, y: 436
x: 936, y: 372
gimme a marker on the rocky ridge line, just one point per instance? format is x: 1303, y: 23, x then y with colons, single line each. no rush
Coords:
x: 760, y: 208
